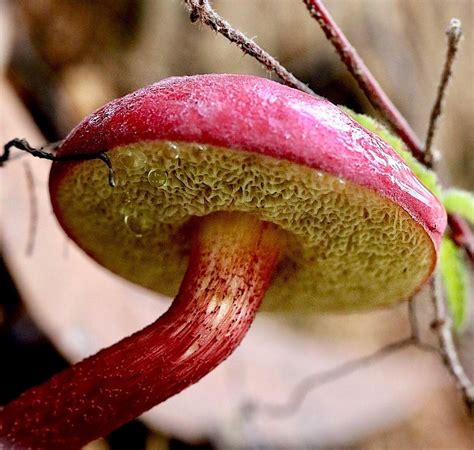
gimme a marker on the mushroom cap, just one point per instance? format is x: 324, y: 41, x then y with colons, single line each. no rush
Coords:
x: 362, y: 230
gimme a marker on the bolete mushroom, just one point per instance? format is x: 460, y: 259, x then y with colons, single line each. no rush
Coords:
x: 232, y: 182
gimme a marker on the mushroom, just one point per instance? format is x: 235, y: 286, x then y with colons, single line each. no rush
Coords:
x: 228, y: 183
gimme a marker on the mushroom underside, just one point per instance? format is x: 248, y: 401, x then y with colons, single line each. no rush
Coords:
x: 349, y: 248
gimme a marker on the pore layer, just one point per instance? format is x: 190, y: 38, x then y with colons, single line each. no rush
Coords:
x: 349, y: 247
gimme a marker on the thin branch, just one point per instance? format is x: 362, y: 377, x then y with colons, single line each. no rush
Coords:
x: 310, y: 383
x: 33, y: 219
x: 443, y: 327
x: 380, y: 100
x: 374, y: 92
x: 22, y: 144
x: 461, y: 234
x: 367, y: 82
x: 454, y: 33
x: 201, y: 10
x: 314, y: 381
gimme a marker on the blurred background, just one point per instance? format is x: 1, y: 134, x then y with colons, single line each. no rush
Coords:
x: 61, y: 59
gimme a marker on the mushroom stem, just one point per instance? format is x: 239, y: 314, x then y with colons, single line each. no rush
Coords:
x: 231, y: 263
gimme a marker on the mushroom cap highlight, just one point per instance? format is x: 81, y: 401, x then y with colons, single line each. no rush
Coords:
x: 362, y: 230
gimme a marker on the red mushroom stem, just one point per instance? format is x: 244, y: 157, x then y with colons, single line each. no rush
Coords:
x: 231, y: 263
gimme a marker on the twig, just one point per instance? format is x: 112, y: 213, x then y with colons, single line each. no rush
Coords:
x: 374, y: 91
x: 459, y: 228
x: 201, y: 11
x: 461, y: 234
x: 454, y: 33
x: 443, y: 326
x: 314, y: 381
x: 310, y: 383
x: 22, y: 144
x: 33, y: 219
x: 367, y: 82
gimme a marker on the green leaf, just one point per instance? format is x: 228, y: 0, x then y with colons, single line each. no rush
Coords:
x: 455, y: 280
x: 425, y: 175
x: 459, y: 202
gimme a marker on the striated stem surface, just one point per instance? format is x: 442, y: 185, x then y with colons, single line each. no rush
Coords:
x: 231, y: 264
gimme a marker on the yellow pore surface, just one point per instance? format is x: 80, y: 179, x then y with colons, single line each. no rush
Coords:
x: 348, y: 248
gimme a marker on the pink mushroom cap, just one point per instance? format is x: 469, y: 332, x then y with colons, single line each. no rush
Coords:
x: 242, y: 123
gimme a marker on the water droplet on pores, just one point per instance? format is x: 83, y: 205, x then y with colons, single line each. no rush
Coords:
x: 318, y: 176
x: 132, y: 159
x: 157, y: 177
x: 171, y: 150
x: 138, y: 223
x: 199, y: 147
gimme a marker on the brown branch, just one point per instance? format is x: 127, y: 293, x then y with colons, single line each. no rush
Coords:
x: 454, y: 33
x: 310, y: 383
x: 376, y: 95
x: 366, y: 81
x: 460, y: 229
x: 443, y: 328
x: 461, y: 234
x: 201, y: 11
x: 314, y: 381
x: 23, y: 145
